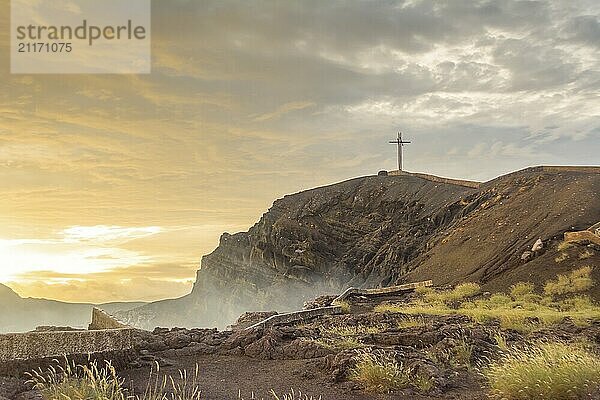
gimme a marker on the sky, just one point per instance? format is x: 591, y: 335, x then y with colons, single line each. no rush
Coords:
x: 114, y: 186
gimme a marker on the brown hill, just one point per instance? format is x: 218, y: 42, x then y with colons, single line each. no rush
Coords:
x: 513, y: 212
x: 379, y: 230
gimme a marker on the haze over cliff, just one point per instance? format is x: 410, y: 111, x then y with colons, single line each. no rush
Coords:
x: 381, y: 230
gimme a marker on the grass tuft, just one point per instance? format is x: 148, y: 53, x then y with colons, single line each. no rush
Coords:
x: 347, y: 343
x: 585, y: 254
x: 554, y: 371
x: 577, y: 281
x: 459, y: 293
x: 379, y: 372
x: 293, y: 395
x: 344, y: 305
x: 78, y: 382
x: 521, y: 290
x: 411, y: 322
x: 423, y: 383
x: 351, y: 330
x: 564, y: 246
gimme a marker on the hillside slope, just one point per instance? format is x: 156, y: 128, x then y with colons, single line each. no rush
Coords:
x: 487, y: 244
x: 375, y: 231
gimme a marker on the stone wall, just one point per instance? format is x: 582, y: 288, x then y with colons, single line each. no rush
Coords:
x: 108, y: 339
x: 38, y: 345
x: 103, y: 320
x: 434, y: 178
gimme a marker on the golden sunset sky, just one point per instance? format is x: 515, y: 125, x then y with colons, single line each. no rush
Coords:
x: 114, y: 186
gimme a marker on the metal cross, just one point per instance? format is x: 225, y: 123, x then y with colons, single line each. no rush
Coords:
x: 400, y: 144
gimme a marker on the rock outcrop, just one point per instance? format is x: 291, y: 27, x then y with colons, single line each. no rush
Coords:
x: 381, y: 230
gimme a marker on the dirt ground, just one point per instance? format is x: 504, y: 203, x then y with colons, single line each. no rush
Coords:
x: 221, y: 377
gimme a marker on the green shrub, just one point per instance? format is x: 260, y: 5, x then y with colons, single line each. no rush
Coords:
x: 462, y: 353
x: 423, y: 383
x: 423, y: 290
x: 379, y: 372
x: 577, y: 303
x: 552, y: 371
x: 497, y: 300
x: 577, y: 281
x: 460, y: 292
x: 466, y: 290
x: 521, y: 289
x: 344, y: 305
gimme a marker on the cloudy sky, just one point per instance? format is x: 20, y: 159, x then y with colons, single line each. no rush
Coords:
x: 114, y: 186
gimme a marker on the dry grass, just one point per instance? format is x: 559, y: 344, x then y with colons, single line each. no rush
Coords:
x: 344, y: 305
x: 90, y: 382
x: 553, y: 371
x: 423, y: 383
x: 379, y: 372
x: 462, y: 353
x: 78, y: 382
x: 459, y: 293
x: 522, y: 289
x: 292, y: 395
x: 585, y: 254
x: 348, y: 330
x: 347, y: 343
x: 522, y: 310
x: 577, y: 281
x: 411, y: 322
x: 564, y: 246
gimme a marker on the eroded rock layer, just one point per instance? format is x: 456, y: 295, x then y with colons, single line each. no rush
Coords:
x: 382, y: 230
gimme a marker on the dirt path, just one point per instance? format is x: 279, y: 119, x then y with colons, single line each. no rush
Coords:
x: 222, y: 376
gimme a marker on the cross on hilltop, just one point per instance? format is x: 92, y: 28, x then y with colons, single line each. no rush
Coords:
x: 400, y: 144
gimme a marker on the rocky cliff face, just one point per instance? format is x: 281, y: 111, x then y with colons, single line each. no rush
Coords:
x: 381, y: 230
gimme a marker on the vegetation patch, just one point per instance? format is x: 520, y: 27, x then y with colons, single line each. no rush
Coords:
x: 554, y: 371
x: 522, y: 310
x: 379, y: 372
x: 91, y: 382
x: 343, y: 343
x: 577, y: 281
x: 411, y: 322
x: 349, y: 330
x: 344, y: 306
x: 459, y: 293
x: 78, y: 382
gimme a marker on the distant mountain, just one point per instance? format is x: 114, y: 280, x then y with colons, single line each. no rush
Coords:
x: 381, y: 230
x: 7, y: 294
x: 19, y: 314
